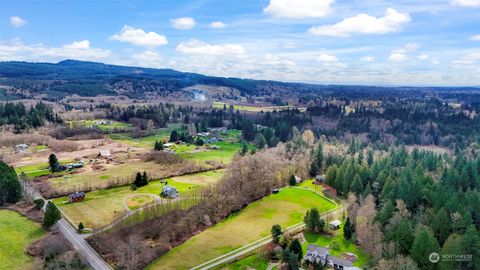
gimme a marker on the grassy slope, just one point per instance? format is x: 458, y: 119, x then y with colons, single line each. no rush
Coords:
x: 252, y: 223
x: 253, y: 261
x: 101, y: 207
x: 16, y: 232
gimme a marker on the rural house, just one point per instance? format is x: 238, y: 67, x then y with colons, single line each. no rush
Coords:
x: 334, y: 224
x: 104, y: 153
x: 169, y: 192
x: 76, y: 197
x: 316, y: 254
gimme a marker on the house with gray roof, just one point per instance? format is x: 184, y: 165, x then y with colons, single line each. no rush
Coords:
x: 169, y: 192
x: 316, y: 254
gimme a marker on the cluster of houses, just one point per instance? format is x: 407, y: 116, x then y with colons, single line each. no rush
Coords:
x: 321, y: 255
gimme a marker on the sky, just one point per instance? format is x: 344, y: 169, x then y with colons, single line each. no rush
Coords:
x: 367, y: 42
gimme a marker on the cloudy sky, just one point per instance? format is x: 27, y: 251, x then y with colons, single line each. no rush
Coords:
x: 381, y: 42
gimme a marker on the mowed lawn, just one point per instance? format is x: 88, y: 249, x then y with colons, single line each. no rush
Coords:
x: 101, y: 207
x: 16, y: 233
x: 286, y: 208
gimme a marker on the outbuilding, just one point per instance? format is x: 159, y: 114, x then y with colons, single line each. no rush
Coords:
x: 334, y: 224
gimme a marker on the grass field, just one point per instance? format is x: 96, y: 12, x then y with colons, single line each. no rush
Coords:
x: 252, y: 223
x: 93, y: 122
x: 16, y: 233
x: 148, y: 141
x: 35, y: 170
x: 101, y: 207
x: 251, y: 108
x: 250, y: 262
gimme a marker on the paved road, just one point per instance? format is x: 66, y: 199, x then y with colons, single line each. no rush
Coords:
x: 77, y: 240
x: 240, y: 252
x: 85, y: 250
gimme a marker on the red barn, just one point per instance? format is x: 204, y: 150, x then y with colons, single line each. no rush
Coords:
x: 76, y: 197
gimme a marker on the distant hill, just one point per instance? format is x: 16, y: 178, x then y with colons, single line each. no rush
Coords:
x: 91, y: 79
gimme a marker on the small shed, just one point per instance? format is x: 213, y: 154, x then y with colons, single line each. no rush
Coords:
x: 334, y: 224
x: 169, y: 192
x: 298, y: 179
x: 76, y: 197
x: 104, y: 153
x: 21, y: 147
x: 275, y: 191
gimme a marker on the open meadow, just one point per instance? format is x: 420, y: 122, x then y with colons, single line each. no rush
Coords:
x: 102, y: 207
x: 286, y: 208
x: 16, y: 233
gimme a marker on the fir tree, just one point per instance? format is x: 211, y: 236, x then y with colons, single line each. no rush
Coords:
x: 52, y: 215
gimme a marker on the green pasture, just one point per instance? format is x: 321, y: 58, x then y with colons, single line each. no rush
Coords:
x: 16, y: 233
x: 248, y: 225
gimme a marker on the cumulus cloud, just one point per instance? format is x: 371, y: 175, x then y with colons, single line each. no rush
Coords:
x: 475, y: 38
x: 148, y: 58
x: 198, y: 47
x: 184, y: 23
x: 398, y: 57
x: 423, y: 57
x: 16, y: 21
x: 81, y: 50
x: 392, y: 21
x: 298, y: 9
x: 466, y: 3
x: 368, y: 58
x: 138, y: 36
x: 217, y: 25
x: 330, y: 61
x: 78, y: 45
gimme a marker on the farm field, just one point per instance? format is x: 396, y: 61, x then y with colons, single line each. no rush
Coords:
x: 250, y: 224
x: 16, y: 233
x: 35, y: 170
x: 146, y: 142
x: 98, y: 123
x: 251, y: 108
x: 101, y: 207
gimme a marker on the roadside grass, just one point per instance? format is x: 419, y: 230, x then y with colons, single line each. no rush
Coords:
x: 102, y: 207
x: 16, y: 233
x: 343, y: 245
x: 254, y: 261
x: 286, y: 208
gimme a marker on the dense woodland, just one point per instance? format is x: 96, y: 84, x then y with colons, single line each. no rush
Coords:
x: 20, y: 117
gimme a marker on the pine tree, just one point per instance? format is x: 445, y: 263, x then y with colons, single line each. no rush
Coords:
x: 424, y: 244
x: 52, y: 215
x: 356, y: 185
x: 144, y: 179
x: 138, y: 180
x: 470, y: 244
x: 53, y: 163
x: 370, y: 158
x: 10, y: 188
x: 347, y: 229
x: 276, y: 233
x: 441, y: 225
x: 293, y: 181
x: 296, y: 248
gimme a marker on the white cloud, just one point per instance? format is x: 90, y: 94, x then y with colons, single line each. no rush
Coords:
x: 466, y: 3
x: 194, y: 46
x: 137, y: 36
x: 469, y: 59
x: 184, y: 23
x: 148, y: 58
x: 398, y: 57
x: 80, y: 50
x: 16, y: 21
x: 368, y: 58
x: 392, y: 21
x: 423, y: 57
x: 217, y: 25
x: 330, y: 61
x: 78, y: 45
x: 475, y: 38
x: 298, y: 9
x: 290, y: 45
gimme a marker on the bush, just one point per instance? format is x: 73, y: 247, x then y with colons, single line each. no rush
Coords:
x: 39, y: 203
x: 81, y: 227
x: 52, y: 215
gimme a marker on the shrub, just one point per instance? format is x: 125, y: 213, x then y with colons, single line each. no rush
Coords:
x: 39, y: 203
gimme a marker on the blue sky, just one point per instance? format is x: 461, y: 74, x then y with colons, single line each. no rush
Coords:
x: 376, y: 42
